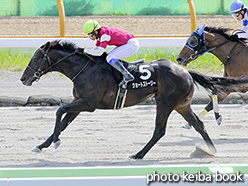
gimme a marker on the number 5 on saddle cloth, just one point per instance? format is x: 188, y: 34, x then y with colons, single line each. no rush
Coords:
x: 144, y: 78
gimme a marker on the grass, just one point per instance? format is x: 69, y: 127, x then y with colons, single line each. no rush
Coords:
x: 18, y: 59
x: 208, y: 63
x: 15, y: 59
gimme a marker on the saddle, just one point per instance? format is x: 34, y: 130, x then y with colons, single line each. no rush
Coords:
x: 137, y: 62
x: 144, y: 76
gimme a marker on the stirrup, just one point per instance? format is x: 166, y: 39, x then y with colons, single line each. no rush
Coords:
x: 124, y: 83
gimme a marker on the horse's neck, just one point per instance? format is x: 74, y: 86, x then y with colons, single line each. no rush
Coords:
x: 221, y: 52
x: 70, y: 66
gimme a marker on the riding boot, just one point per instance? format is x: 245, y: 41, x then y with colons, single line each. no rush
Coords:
x: 127, y: 76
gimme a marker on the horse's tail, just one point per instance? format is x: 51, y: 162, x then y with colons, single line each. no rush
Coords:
x: 220, y: 85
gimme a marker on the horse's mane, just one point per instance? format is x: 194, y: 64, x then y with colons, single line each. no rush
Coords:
x: 221, y: 31
x: 64, y: 45
x: 69, y: 46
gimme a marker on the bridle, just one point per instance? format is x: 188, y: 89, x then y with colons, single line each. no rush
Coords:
x: 200, y: 47
x: 38, y: 73
x: 46, y: 59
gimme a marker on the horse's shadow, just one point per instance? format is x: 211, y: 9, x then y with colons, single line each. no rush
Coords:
x: 43, y: 163
x: 195, y: 140
x: 149, y: 161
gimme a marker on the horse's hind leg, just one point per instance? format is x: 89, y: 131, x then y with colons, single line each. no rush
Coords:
x: 217, y: 115
x: 212, y: 105
x: 207, y: 109
x: 191, y: 118
x: 69, y: 117
x: 163, y: 113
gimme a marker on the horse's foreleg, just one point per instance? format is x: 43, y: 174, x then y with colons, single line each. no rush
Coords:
x: 74, y: 107
x: 69, y: 117
x: 159, y: 132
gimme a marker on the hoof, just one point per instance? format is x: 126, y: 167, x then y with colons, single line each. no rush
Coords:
x: 135, y: 157
x: 219, y: 120
x: 186, y: 126
x: 36, y: 150
x: 213, y: 150
x: 57, y: 144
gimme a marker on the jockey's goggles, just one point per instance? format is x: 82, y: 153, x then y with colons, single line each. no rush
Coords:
x: 236, y: 14
x: 90, y: 35
x: 93, y: 33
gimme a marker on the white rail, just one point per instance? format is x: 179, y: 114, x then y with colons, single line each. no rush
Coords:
x: 82, y: 42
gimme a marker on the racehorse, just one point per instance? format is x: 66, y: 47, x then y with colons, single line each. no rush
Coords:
x: 232, y: 54
x: 95, y: 87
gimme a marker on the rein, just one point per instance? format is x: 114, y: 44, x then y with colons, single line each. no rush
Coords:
x: 215, y: 47
x: 230, y: 54
x: 38, y: 73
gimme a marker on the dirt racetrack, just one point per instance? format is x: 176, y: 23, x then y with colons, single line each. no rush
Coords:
x: 137, y: 25
x: 108, y: 138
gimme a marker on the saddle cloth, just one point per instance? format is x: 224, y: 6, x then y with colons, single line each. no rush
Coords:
x: 143, y: 73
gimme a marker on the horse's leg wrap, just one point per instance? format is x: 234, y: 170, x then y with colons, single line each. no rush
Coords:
x: 200, y: 116
x: 208, y: 108
x: 218, y: 117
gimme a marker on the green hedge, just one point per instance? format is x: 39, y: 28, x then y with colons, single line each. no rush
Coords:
x: 111, y: 7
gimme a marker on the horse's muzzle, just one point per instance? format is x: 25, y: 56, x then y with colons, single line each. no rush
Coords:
x: 28, y: 81
x: 182, y: 61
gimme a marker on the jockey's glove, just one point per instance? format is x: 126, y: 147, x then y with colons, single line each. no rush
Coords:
x: 234, y: 37
x: 80, y: 50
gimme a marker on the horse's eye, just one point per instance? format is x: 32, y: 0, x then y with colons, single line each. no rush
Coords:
x: 193, y: 41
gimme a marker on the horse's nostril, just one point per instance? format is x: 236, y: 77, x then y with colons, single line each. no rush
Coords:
x: 22, y: 79
x: 178, y: 59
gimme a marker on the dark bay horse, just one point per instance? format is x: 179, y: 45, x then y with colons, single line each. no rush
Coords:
x: 232, y: 54
x: 95, y: 87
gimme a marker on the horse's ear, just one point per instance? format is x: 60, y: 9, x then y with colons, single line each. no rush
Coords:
x: 202, y: 29
x: 46, y: 46
x: 55, y: 42
x: 210, y: 36
x: 49, y: 44
x: 198, y: 27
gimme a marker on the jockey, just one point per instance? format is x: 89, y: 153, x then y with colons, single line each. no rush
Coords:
x: 126, y: 45
x: 239, y: 12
